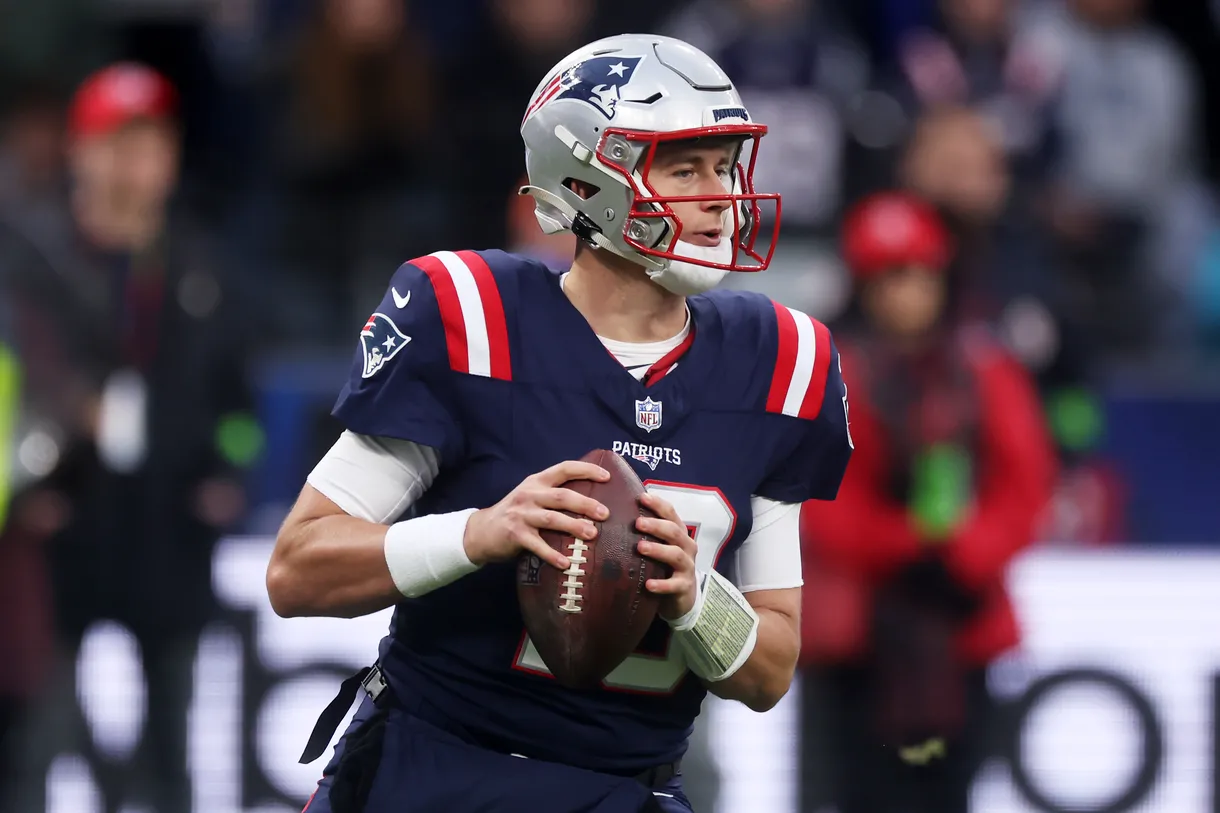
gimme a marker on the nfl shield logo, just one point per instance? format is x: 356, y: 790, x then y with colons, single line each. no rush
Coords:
x: 648, y: 414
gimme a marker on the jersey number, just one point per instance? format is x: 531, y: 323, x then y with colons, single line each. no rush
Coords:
x: 710, y: 519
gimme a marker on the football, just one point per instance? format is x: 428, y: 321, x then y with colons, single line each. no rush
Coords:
x: 586, y: 620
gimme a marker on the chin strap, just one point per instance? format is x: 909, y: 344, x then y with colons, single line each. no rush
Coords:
x: 570, y: 219
x: 555, y: 215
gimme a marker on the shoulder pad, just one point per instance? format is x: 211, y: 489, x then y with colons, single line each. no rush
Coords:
x: 802, y: 363
x: 471, y: 306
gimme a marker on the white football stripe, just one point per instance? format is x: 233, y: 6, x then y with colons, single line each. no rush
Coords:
x: 806, y: 351
x: 477, y: 346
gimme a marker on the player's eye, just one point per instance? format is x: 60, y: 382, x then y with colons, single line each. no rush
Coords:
x: 684, y: 173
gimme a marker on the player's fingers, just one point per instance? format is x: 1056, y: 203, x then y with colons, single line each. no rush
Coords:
x: 563, y: 523
x: 661, y: 506
x: 666, y: 530
x: 565, y: 499
x: 670, y: 555
x: 532, y: 542
x: 674, y: 586
x: 561, y: 473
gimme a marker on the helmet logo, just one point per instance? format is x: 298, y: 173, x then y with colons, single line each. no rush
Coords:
x: 599, y: 81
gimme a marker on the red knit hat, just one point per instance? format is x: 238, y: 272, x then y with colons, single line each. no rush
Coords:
x: 117, y: 95
x: 894, y: 229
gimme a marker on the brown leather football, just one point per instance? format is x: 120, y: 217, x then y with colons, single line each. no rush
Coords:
x: 586, y: 620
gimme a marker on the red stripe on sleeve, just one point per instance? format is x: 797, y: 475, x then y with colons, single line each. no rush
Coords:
x: 785, y: 360
x: 812, y: 404
x: 493, y: 312
x: 451, y: 311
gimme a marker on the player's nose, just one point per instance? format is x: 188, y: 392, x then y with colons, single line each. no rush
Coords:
x: 713, y: 186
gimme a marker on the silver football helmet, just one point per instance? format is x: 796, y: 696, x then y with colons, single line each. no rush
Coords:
x: 598, y: 118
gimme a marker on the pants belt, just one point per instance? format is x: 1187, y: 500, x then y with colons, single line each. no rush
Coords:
x: 373, y: 682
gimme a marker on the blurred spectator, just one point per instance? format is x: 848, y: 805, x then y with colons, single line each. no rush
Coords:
x: 1126, y: 134
x: 143, y: 316
x: 1003, y: 272
x: 905, y: 603
x: 349, y: 163
x: 25, y: 635
x: 801, y: 73
x: 359, y: 104
x: 981, y: 56
x: 36, y: 401
x: 1127, y: 112
x: 32, y: 157
x: 486, y: 87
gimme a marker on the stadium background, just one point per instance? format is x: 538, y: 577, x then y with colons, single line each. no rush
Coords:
x: 1113, y: 693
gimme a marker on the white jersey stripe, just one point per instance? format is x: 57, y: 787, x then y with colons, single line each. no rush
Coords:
x: 477, y: 345
x: 806, y: 353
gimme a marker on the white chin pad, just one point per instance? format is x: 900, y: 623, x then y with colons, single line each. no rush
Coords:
x: 688, y: 278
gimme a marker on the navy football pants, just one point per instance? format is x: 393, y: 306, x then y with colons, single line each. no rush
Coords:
x: 401, y: 764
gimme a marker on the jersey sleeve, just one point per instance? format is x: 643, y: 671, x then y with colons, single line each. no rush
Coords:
x: 807, y: 390
x: 400, y: 383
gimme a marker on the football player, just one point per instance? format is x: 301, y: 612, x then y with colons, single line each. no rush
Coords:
x: 480, y: 380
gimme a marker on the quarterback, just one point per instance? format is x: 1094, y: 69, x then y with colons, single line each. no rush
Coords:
x: 479, y: 381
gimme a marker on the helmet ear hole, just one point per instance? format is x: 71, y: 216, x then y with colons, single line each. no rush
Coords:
x: 582, y: 189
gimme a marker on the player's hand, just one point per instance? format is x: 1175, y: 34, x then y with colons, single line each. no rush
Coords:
x: 511, y: 526
x: 676, y: 549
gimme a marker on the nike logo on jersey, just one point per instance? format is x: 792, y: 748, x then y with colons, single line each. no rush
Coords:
x: 400, y: 300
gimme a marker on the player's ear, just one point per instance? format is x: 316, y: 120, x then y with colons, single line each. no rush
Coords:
x: 583, y: 189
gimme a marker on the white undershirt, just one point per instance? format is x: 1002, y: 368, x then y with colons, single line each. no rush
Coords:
x: 638, y: 357
x: 378, y: 479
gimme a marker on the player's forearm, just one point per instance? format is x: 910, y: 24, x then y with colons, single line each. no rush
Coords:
x: 332, y: 565
x: 766, y: 675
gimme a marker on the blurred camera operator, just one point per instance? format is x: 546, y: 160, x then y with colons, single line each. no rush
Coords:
x: 905, y: 603
x: 138, y: 330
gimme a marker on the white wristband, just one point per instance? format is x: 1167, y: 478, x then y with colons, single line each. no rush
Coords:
x: 720, y: 632
x: 426, y: 553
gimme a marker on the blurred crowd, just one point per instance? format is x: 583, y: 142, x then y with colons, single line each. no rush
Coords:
x: 1004, y: 208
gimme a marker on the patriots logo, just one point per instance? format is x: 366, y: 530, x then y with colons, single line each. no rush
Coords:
x: 648, y: 459
x: 381, y: 340
x: 599, y: 81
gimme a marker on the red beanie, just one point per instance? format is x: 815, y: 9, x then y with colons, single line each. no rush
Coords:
x: 117, y: 95
x: 893, y: 229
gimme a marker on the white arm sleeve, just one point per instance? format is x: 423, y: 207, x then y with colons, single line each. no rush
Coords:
x: 770, y: 558
x: 377, y: 479
x: 374, y: 478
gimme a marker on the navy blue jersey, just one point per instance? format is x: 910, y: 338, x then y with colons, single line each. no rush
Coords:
x: 481, y: 356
